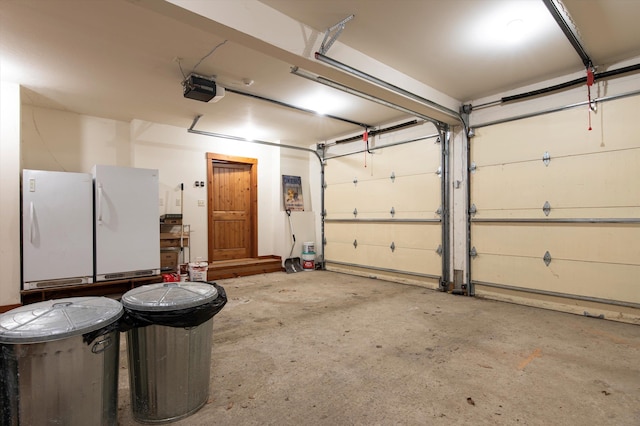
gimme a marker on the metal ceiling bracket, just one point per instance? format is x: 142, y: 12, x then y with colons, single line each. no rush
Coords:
x: 355, y: 212
x: 473, y: 252
x: 392, y: 246
x: 547, y: 258
x: 392, y: 177
x: 439, y: 250
x: 355, y: 181
x: 332, y: 34
x: 473, y: 167
x: 439, y: 171
x: 355, y: 243
x: 473, y: 210
x: 546, y: 208
x: 546, y: 158
x: 393, y: 212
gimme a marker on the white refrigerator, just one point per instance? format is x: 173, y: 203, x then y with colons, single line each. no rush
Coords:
x: 127, y: 230
x: 57, y: 229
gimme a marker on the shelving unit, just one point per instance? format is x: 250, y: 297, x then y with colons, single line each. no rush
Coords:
x: 174, y: 242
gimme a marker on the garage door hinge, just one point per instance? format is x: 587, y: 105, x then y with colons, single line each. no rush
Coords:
x: 355, y: 181
x: 546, y: 208
x: 355, y: 243
x: 392, y: 246
x: 355, y: 212
x: 439, y: 211
x: 439, y: 171
x: 546, y: 158
x: 324, y: 241
x: 324, y: 185
x: 473, y: 167
x: 439, y: 250
x: 547, y: 258
x: 473, y: 252
x: 473, y: 210
x: 392, y: 177
x: 393, y: 212
x: 324, y: 213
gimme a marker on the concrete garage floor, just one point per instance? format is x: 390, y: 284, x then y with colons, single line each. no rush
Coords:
x: 321, y: 348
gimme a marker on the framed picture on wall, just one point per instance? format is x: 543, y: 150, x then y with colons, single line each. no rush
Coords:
x: 292, y: 192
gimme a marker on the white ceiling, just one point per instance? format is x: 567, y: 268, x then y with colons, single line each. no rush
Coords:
x: 117, y: 59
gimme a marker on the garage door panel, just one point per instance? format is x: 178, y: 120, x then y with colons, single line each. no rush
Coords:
x: 344, y: 169
x: 340, y: 232
x: 338, y: 199
x: 589, y: 279
x: 590, y: 175
x: 606, y: 243
x: 410, y: 197
x: 409, y: 260
x: 414, y: 194
x: 341, y: 252
x: 422, y: 236
x: 405, y: 160
x: 425, y: 236
x: 529, y: 139
x: 591, y: 181
x: 415, y: 245
x: 618, y: 116
x: 403, y: 259
x: 402, y: 160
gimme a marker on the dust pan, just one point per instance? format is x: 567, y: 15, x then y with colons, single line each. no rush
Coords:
x: 292, y: 264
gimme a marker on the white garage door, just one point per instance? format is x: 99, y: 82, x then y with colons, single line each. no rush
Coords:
x: 557, y: 209
x: 385, y: 219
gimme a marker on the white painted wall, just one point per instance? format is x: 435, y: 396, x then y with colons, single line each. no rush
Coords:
x: 9, y: 193
x: 181, y: 158
x: 66, y: 141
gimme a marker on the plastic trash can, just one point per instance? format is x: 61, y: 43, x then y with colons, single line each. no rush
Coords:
x: 169, y: 347
x: 59, y: 362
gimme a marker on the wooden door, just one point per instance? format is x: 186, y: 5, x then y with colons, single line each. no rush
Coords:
x: 232, y: 208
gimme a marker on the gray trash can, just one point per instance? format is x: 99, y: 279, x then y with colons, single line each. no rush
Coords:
x: 169, y: 360
x: 59, y: 362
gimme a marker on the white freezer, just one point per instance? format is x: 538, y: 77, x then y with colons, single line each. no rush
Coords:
x: 127, y: 230
x: 57, y: 228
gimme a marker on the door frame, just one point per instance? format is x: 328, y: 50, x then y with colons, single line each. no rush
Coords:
x: 228, y: 159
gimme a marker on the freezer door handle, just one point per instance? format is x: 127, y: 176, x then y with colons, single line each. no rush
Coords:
x: 99, y: 204
x: 31, y: 224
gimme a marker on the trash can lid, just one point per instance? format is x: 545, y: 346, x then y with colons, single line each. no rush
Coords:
x: 169, y: 296
x: 58, y: 319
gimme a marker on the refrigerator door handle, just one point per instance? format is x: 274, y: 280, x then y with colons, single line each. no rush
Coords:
x: 31, y: 224
x: 100, y: 204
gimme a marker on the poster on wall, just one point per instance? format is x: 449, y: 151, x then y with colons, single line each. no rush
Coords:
x: 292, y: 191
